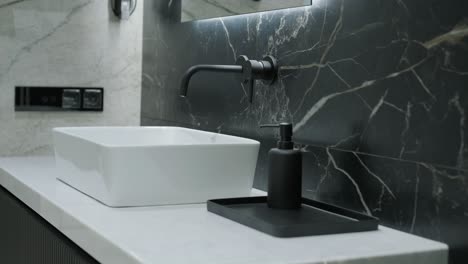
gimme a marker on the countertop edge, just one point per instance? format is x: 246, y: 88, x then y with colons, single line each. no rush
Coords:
x: 39, y: 203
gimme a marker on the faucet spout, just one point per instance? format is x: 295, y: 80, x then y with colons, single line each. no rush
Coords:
x: 205, y: 67
x: 250, y: 71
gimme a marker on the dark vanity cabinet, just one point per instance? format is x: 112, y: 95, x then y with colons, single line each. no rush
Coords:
x: 26, y: 238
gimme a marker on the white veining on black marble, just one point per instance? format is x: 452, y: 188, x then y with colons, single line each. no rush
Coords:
x: 350, y: 178
x: 366, y: 84
x: 442, y: 172
x: 384, y: 185
x: 423, y: 85
x: 453, y: 37
x: 407, y: 126
x: 228, y: 39
x: 323, y: 57
x: 415, y: 202
x: 455, y: 102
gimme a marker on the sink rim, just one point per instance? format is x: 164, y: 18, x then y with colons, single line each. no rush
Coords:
x: 66, y: 131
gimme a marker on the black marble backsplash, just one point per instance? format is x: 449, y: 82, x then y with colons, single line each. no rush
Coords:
x: 377, y: 90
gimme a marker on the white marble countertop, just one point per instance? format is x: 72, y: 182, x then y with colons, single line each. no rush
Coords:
x: 189, y: 233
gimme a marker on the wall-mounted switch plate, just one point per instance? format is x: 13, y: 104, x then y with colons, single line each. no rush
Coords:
x: 92, y: 99
x: 71, y: 99
x: 28, y: 98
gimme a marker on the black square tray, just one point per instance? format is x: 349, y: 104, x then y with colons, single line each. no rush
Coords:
x: 313, y: 218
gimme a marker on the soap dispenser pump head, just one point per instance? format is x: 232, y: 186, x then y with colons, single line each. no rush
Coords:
x: 286, y: 133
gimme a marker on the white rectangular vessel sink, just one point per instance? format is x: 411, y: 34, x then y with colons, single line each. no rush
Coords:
x: 144, y: 166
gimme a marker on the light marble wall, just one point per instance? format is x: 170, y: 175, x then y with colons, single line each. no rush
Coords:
x: 66, y: 43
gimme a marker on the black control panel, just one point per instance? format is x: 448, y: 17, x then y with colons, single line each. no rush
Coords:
x: 29, y: 98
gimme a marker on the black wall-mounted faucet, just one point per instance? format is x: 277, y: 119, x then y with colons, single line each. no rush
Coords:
x: 251, y: 70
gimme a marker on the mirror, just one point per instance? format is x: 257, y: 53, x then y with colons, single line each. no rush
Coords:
x: 203, y: 9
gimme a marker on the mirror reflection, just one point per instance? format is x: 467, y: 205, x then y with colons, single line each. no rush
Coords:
x: 203, y: 9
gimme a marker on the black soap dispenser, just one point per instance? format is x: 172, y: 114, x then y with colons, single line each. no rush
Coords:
x: 284, y: 213
x: 284, y: 172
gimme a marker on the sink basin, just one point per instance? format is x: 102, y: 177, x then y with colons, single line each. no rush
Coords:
x: 143, y: 166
